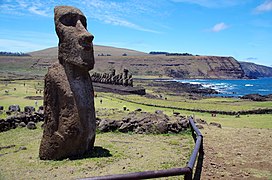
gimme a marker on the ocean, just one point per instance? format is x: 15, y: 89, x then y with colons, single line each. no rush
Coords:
x: 235, y: 88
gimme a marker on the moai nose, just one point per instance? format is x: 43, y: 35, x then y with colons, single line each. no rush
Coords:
x: 86, y: 40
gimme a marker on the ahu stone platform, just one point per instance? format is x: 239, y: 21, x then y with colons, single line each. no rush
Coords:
x: 119, y: 88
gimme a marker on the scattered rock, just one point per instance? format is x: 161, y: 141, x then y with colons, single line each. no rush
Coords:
x: 215, y: 124
x: 159, y: 112
x: 22, y: 124
x: 201, y: 121
x: 176, y: 113
x: 14, y: 108
x: 22, y: 148
x: 31, y: 125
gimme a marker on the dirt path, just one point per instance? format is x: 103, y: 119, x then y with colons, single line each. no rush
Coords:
x: 233, y: 153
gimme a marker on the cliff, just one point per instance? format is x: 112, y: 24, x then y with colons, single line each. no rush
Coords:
x: 174, y: 66
x: 256, y: 71
x: 138, y: 63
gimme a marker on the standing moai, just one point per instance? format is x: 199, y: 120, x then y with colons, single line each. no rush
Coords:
x: 130, y: 80
x: 69, y: 127
x: 125, y: 79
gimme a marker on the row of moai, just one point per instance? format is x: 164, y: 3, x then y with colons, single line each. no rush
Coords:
x: 124, y: 78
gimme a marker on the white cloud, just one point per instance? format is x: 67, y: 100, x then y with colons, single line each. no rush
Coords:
x: 38, y: 11
x: 264, y: 7
x: 110, y: 12
x: 19, y: 46
x: 219, y: 27
x: 214, y: 3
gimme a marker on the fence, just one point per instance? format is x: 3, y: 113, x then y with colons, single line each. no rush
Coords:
x: 188, y: 171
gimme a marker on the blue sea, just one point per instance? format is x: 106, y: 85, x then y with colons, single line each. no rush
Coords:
x: 235, y: 88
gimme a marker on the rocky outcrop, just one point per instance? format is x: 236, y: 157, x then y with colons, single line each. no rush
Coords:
x: 21, y: 120
x: 257, y: 97
x: 145, y: 123
x: 69, y: 127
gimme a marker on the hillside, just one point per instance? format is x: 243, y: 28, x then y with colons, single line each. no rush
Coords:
x: 256, y: 71
x: 143, y: 64
x: 139, y: 63
x: 98, y: 50
x: 174, y: 66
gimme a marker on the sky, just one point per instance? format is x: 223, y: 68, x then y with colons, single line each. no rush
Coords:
x: 238, y: 28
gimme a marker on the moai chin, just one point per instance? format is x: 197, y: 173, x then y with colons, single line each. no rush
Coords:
x: 69, y: 127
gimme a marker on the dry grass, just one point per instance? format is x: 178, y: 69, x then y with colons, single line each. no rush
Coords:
x: 237, y: 153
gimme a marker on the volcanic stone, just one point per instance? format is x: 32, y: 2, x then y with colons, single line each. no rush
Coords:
x: 69, y: 126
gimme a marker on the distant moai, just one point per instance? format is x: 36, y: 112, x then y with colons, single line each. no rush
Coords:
x: 124, y: 78
x: 70, y: 124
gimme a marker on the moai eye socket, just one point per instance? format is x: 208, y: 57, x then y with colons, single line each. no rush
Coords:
x: 71, y: 19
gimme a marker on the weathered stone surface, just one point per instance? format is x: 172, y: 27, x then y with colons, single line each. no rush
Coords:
x: 31, y: 125
x: 144, y: 123
x: 69, y: 127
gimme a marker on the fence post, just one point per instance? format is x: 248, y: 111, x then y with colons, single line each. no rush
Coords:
x: 188, y: 176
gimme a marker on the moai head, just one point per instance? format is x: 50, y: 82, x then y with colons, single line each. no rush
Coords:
x: 125, y: 73
x: 112, y: 72
x: 75, y: 42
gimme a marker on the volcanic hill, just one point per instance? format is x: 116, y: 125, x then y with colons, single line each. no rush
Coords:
x: 139, y: 63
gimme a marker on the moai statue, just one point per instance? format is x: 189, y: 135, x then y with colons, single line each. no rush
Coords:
x: 125, y: 79
x: 130, y: 80
x: 112, y: 72
x: 69, y: 127
x: 120, y: 80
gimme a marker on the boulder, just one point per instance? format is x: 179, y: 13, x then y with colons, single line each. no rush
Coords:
x: 22, y: 124
x: 29, y: 109
x: 31, y: 125
x: 126, y: 127
x: 108, y: 125
x: 184, y: 123
x: 14, y: 108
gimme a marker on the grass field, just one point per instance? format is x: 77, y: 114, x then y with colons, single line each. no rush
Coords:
x: 114, y: 153
x: 249, y: 135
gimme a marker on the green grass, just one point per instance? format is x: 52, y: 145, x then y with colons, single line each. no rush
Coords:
x: 251, y: 121
x: 23, y: 89
x: 218, y: 104
x: 128, y: 153
x: 112, y: 105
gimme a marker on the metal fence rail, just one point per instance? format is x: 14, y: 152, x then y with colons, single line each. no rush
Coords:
x: 188, y: 171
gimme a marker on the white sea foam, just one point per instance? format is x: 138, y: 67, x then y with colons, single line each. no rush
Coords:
x: 249, y: 85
